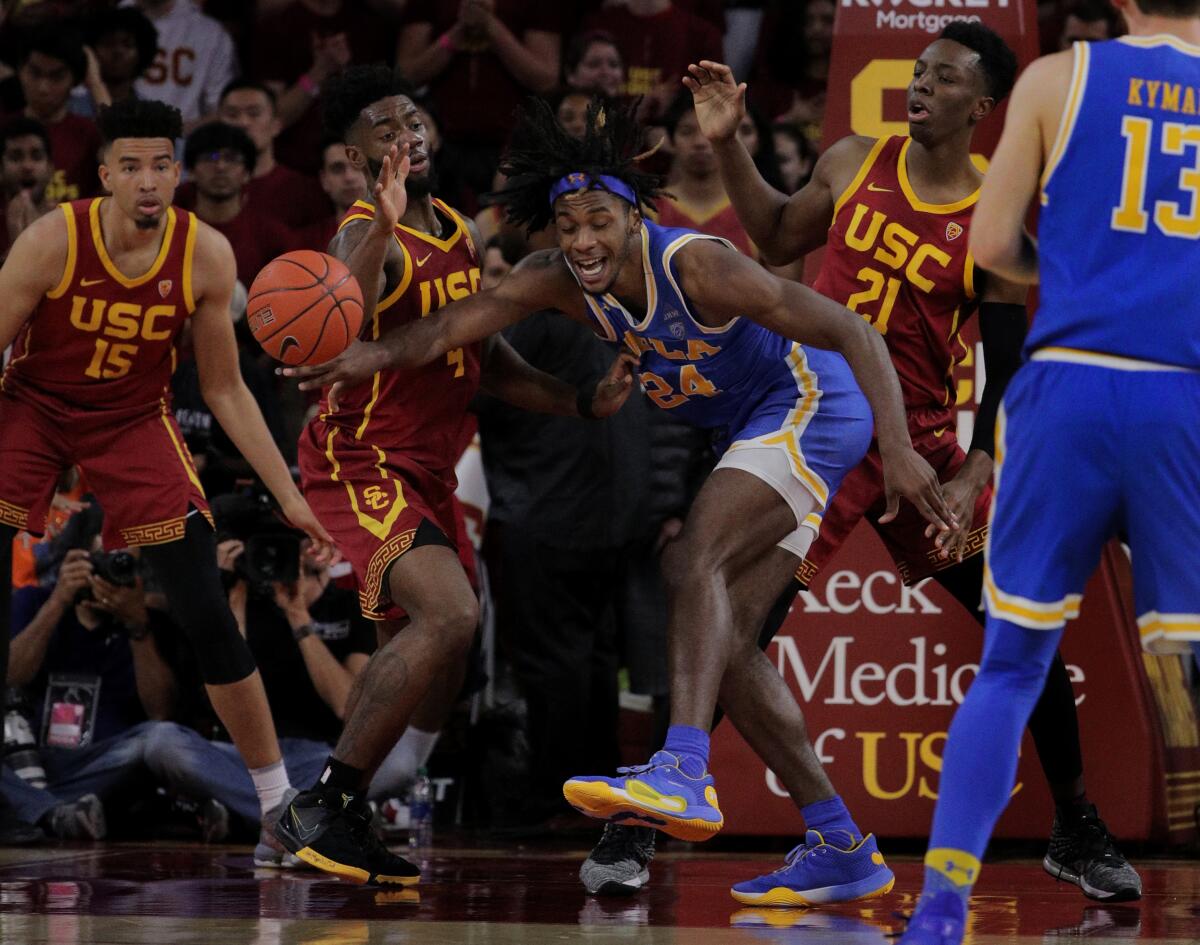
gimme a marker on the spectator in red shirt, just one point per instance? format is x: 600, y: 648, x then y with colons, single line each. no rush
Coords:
x: 219, y: 158
x: 593, y: 63
x: 294, y: 199
x: 479, y: 59
x: 657, y: 41
x: 25, y: 171
x: 343, y: 184
x: 695, y: 182
x: 52, y: 62
x: 297, y: 47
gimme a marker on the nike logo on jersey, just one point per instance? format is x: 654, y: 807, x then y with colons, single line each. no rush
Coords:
x: 87, y: 282
x: 878, y: 190
x: 422, y: 262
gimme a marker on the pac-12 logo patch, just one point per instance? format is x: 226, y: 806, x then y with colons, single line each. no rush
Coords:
x: 677, y: 329
x: 164, y: 287
x: 953, y: 230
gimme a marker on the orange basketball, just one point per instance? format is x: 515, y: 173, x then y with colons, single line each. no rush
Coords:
x: 305, y: 307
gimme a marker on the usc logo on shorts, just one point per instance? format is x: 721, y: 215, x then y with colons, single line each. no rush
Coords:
x: 375, y: 498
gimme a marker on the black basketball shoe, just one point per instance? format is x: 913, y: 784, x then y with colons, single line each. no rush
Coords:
x: 1083, y: 852
x: 620, y: 863
x: 333, y: 832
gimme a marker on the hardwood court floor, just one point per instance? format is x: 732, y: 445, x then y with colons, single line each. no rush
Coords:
x: 196, y: 895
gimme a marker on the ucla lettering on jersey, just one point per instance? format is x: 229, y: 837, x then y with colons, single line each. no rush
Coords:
x: 1120, y: 225
x: 741, y: 379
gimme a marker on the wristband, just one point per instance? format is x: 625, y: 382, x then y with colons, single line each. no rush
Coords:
x: 302, y: 631
x: 583, y: 401
x: 307, y: 84
x: 446, y: 42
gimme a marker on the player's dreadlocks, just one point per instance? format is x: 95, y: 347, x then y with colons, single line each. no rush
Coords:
x: 541, y: 153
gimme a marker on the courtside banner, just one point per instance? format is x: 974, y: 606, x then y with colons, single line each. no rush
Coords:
x: 879, y: 668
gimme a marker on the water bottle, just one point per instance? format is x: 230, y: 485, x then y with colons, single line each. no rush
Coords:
x: 420, y: 834
x: 20, y: 746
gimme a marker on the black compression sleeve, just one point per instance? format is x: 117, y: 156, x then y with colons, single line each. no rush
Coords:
x: 1002, y: 326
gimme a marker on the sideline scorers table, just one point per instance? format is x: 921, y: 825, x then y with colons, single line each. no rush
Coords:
x: 880, y: 668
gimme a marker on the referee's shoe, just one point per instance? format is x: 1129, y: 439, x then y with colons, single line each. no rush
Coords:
x: 333, y: 832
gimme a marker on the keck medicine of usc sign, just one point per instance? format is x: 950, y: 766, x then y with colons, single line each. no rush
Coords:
x: 879, y: 668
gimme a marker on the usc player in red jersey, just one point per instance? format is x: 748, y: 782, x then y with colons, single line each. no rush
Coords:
x: 894, y: 215
x: 378, y: 462
x: 95, y: 296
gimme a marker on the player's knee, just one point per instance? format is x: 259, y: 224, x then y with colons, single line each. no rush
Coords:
x: 455, y: 623
x: 221, y: 651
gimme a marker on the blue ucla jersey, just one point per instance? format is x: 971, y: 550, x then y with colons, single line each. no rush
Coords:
x: 740, y: 379
x: 1119, y: 232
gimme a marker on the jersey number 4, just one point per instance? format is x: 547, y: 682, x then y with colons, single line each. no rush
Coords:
x: 1132, y: 216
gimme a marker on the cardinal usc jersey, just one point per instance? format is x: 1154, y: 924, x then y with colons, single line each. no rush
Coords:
x: 903, y: 265
x: 100, y: 340
x: 418, y: 413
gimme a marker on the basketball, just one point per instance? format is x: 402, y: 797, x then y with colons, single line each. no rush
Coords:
x: 305, y: 307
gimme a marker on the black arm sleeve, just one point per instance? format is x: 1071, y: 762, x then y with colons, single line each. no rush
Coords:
x: 1002, y: 326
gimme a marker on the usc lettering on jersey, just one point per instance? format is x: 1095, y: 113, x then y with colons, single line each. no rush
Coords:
x: 418, y: 413
x: 101, y: 340
x: 904, y: 265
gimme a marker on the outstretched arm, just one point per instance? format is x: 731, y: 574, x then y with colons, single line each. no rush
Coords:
x: 722, y: 283
x: 999, y: 240
x: 226, y: 393
x: 1002, y: 325
x: 783, y: 228
x: 514, y: 380
x: 540, y: 281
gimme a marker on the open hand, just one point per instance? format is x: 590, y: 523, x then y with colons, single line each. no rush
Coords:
x: 614, y: 388
x: 391, y: 199
x: 353, y: 366
x: 720, y: 101
x: 961, y: 493
x: 907, y: 475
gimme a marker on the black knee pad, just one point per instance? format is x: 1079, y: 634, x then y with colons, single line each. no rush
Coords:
x: 186, y: 570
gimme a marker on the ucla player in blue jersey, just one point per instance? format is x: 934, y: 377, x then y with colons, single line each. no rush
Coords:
x: 1110, y: 134
x: 725, y: 345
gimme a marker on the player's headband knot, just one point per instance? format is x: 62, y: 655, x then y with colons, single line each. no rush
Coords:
x: 581, y: 181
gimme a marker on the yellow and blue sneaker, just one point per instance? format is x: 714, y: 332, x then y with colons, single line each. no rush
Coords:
x: 657, y: 794
x: 818, y: 873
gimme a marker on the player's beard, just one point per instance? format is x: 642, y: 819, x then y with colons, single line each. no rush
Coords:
x: 415, y: 185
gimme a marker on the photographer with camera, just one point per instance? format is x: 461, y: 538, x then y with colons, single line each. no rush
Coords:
x: 310, y: 642
x: 86, y: 676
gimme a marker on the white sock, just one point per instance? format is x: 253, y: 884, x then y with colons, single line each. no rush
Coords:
x: 270, y: 784
x: 399, y: 768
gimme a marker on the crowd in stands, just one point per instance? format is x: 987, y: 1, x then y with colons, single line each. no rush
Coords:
x: 107, y: 727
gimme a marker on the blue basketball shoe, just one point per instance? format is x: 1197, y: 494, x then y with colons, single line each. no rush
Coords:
x: 940, y: 919
x: 817, y: 873
x: 657, y: 794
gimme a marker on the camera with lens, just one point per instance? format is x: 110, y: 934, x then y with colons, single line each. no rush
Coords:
x: 119, y: 568
x: 271, y: 550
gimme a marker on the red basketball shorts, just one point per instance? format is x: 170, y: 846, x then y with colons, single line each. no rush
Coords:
x: 138, y: 468
x: 861, y: 495
x: 372, y: 502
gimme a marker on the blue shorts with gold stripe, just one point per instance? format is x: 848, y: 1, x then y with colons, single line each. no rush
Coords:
x: 1089, y: 446
x: 824, y: 427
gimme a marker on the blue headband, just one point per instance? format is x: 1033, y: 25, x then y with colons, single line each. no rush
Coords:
x: 581, y: 181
